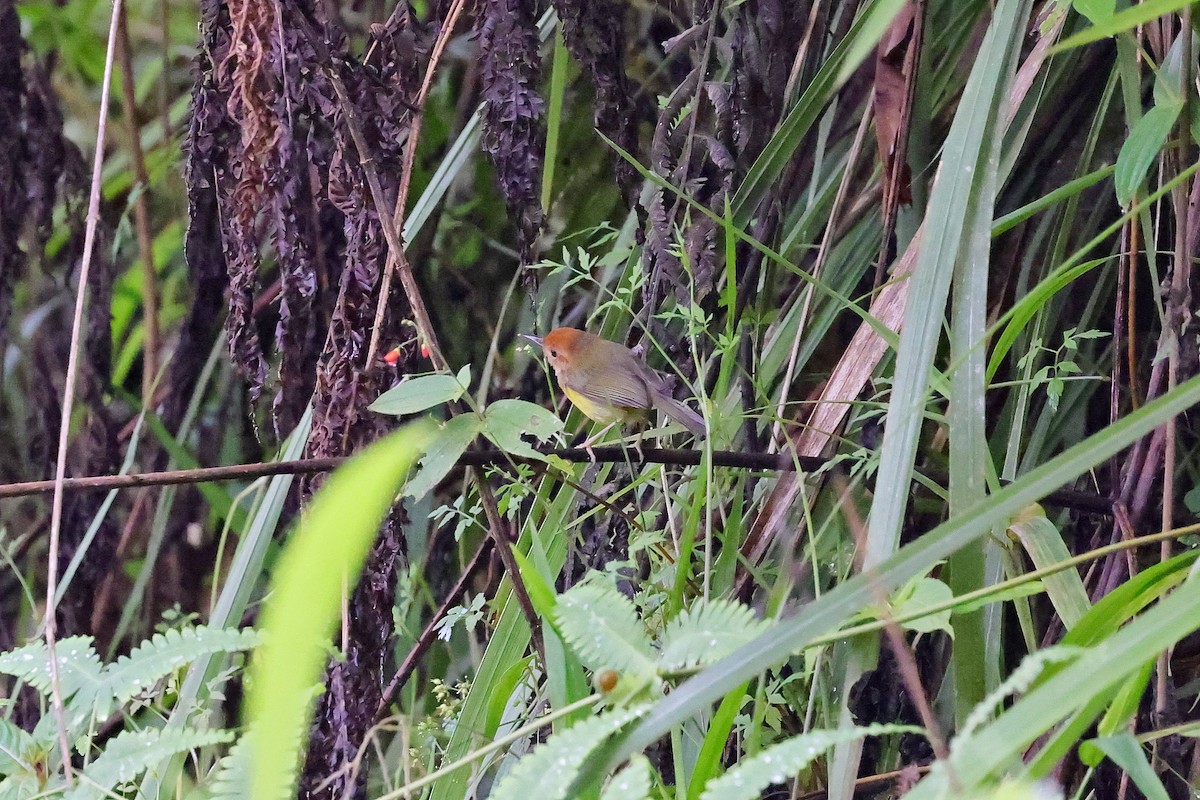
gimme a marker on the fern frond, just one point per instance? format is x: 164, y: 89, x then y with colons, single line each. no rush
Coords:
x: 78, y: 665
x: 602, y: 626
x: 129, y: 755
x: 231, y: 776
x: 161, y: 655
x: 778, y: 763
x: 706, y: 633
x: 17, y: 749
x: 28, y: 786
x: 631, y: 783
x: 547, y: 773
x: 1019, y: 681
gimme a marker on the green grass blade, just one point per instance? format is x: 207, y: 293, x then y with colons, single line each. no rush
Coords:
x: 778, y: 153
x: 1130, y: 18
x: 835, y: 607
x: 301, y: 614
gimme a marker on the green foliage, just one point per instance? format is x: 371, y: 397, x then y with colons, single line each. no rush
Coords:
x: 449, y: 443
x: 414, y: 395
x: 777, y: 763
x: 604, y: 629
x: 79, y: 671
x: 746, y: 262
x: 23, y: 760
x: 230, y: 777
x: 918, y: 595
x: 505, y: 422
x: 706, y: 633
x: 299, y: 617
x: 632, y: 782
x: 1045, y: 546
x: 91, y: 689
x: 132, y: 752
x: 1124, y: 20
x: 1127, y: 753
x: 1062, y: 363
x: 167, y: 652
x: 92, y: 692
x: 1142, y: 147
x: 547, y: 774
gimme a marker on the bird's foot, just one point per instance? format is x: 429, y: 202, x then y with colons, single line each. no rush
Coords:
x: 591, y: 440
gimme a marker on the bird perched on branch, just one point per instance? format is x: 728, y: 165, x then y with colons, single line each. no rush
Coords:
x: 610, y: 384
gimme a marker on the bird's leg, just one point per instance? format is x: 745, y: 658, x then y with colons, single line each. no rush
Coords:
x: 591, y: 440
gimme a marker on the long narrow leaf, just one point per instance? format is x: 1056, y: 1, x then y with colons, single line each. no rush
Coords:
x: 837, y: 606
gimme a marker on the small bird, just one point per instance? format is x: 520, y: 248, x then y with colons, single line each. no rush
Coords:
x: 608, y: 383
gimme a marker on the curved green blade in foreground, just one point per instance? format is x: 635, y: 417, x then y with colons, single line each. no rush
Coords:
x: 301, y: 613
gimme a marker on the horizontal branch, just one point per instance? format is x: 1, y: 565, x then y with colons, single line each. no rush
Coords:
x: 1065, y: 498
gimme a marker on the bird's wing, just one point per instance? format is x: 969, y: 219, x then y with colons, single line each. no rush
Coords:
x: 619, y: 387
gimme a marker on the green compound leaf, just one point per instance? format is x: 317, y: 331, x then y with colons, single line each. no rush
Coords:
x: 777, y: 763
x: 547, y: 773
x: 706, y: 633
x: 132, y: 752
x: 161, y: 655
x: 602, y: 626
x: 631, y: 783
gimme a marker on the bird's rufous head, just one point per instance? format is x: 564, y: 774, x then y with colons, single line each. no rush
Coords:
x: 559, y: 345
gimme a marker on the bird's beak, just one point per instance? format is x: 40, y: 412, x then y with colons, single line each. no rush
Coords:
x: 535, y: 339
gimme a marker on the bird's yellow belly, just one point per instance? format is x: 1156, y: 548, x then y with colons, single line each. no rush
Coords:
x: 604, y: 413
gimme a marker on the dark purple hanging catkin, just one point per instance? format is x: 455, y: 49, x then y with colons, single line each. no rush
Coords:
x: 594, y: 32
x: 514, y: 133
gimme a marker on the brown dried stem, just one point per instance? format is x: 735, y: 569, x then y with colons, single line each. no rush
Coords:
x: 141, y: 215
x: 405, y: 670
x: 1085, y: 502
x: 397, y: 258
x: 68, y: 403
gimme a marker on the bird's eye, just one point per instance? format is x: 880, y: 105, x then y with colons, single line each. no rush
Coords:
x: 554, y: 354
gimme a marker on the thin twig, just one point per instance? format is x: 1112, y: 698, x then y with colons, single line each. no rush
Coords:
x: 397, y: 257
x: 366, y: 160
x: 68, y: 403
x: 1178, y: 313
x: 405, y: 670
x: 1086, y: 502
x: 910, y: 674
x: 141, y: 214
x: 809, y: 290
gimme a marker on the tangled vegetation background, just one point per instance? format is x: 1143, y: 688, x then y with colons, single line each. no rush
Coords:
x: 927, y: 267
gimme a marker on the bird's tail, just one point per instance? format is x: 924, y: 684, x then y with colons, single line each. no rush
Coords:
x: 680, y: 413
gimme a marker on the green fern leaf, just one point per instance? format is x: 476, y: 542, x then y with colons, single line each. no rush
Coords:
x: 131, y: 753
x: 778, y: 763
x: 231, y: 776
x: 79, y: 666
x: 161, y: 655
x: 602, y: 626
x: 706, y: 633
x: 631, y: 783
x: 27, y: 786
x: 547, y: 773
x: 18, y: 749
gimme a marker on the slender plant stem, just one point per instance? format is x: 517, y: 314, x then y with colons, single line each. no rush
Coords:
x: 141, y: 215
x: 504, y: 741
x: 397, y: 257
x: 1086, y: 502
x: 1003, y: 586
x: 68, y: 402
x: 429, y: 633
